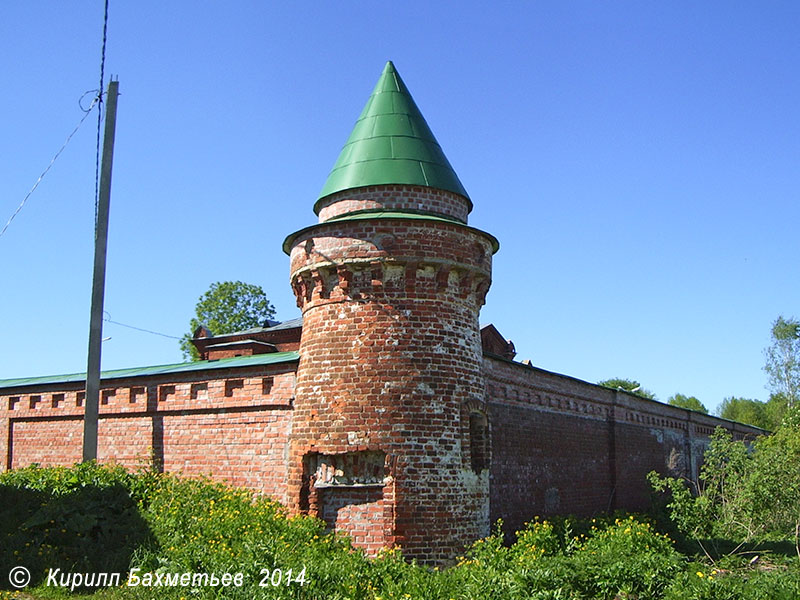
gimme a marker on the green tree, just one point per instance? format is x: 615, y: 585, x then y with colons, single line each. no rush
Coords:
x: 744, y: 410
x: 783, y: 359
x: 628, y: 385
x: 226, y: 307
x: 776, y: 409
x: 689, y: 402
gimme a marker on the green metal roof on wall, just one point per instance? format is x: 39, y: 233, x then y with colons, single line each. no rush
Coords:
x: 200, y: 365
x: 391, y: 144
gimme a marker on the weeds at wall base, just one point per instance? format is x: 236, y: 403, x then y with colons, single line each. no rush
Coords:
x: 92, y: 517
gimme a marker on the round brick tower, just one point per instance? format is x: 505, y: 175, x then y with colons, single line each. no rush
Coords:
x: 390, y: 434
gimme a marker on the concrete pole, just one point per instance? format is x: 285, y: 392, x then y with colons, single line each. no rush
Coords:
x: 92, y: 401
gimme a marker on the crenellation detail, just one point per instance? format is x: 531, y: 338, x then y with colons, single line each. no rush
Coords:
x: 362, y: 279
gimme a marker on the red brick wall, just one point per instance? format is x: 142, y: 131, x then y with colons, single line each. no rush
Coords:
x: 357, y: 511
x: 563, y: 446
x: 229, y: 353
x: 546, y: 463
x: 232, y: 425
x: 557, y: 444
x: 46, y: 442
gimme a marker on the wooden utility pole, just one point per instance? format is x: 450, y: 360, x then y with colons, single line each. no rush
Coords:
x: 92, y: 400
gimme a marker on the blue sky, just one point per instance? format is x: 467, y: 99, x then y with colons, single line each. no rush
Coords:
x: 638, y: 161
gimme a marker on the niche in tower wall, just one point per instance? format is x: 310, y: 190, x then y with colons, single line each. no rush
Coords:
x: 347, y: 492
x: 478, y: 441
x: 357, y: 511
x: 359, y: 468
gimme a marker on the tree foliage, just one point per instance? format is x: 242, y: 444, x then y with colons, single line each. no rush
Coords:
x: 767, y: 415
x: 227, y: 306
x: 783, y: 359
x: 628, y: 385
x: 745, y: 410
x: 776, y: 409
x: 689, y: 402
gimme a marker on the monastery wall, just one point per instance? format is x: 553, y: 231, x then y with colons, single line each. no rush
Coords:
x: 556, y: 445
x: 232, y: 425
x: 563, y: 446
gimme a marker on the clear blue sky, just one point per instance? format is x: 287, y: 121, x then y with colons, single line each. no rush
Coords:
x: 638, y: 161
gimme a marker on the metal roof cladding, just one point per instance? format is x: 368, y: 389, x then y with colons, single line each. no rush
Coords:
x: 391, y: 144
x: 380, y: 214
x: 200, y: 365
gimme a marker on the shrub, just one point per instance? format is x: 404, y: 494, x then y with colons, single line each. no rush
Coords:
x: 83, y: 519
x: 628, y: 557
x: 745, y: 494
x: 699, y: 582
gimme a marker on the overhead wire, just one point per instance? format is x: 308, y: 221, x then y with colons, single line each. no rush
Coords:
x: 107, y: 319
x: 100, y: 117
x: 57, y: 154
x: 98, y: 100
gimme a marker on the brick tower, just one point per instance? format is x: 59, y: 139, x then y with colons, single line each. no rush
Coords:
x: 390, y: 432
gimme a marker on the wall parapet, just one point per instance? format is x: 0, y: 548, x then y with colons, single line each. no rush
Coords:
x: 558, y: 392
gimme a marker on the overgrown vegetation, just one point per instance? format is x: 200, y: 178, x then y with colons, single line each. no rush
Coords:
x: 91, y: 518
x: 747, y: 494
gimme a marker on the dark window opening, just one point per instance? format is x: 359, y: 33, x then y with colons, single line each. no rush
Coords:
x: 478, y: 442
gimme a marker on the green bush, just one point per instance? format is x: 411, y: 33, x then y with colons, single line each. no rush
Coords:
x: 627, y: 559
x: 747, y: 494
x: 699, y: 582
x: 84, y: 519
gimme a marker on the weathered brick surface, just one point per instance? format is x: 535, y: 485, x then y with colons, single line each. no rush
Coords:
x: 390, y: 359
x: 397, y: 425
x: 545, y: 463
x: 395, y: 198
x: 247, y: 343
x: 556, y: 444
x: 563, y: 446
x: 232, y: 425
x: 357, y: 511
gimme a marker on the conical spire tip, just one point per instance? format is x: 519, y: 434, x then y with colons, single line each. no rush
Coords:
x: 391, y: 144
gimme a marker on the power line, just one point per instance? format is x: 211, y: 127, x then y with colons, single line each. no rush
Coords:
x: 98, y: 99
x: 107, y: 319
x: 100, y: 117
x: 57, y: 154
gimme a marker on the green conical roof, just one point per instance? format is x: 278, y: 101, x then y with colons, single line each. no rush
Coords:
x: 391, y: 144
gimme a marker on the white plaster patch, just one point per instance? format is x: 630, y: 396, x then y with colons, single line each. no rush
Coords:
x: 357, y: 438
x: 424, y: 388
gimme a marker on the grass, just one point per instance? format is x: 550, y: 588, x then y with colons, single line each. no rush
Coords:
x: 93, y: 519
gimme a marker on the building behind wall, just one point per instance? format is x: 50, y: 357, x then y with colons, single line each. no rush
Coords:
x: 386, y: 410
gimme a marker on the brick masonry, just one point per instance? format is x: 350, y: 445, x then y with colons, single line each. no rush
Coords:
x: 394, y: 198
x: 229, y: 425
x: 390, y: 357
x: 401, y: 424
x: 561, y: 445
